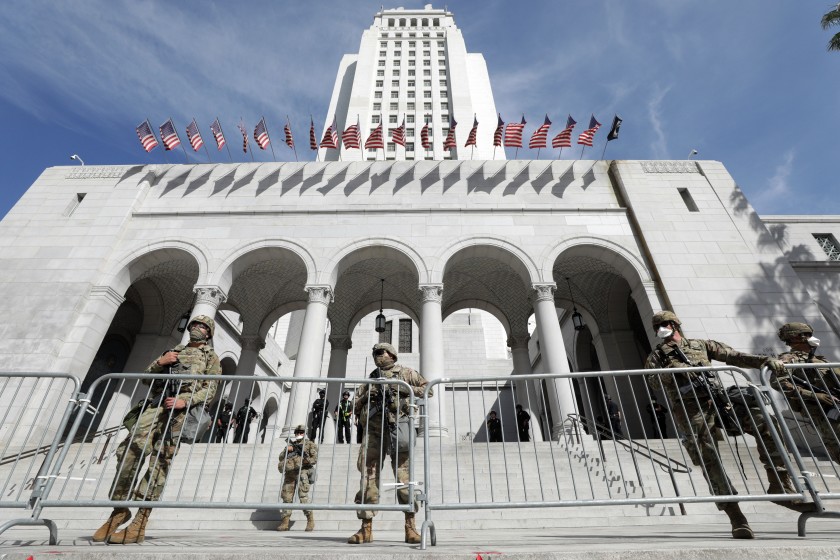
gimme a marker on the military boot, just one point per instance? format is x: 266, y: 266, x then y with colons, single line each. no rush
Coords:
x: 134, y: 533
x: 284, y: 523
x: 780, y: 483
x: 310, y: 521
x: 411, y: 534
x: 363, y: 535
x: 740, y: 528
x: 117, y: 518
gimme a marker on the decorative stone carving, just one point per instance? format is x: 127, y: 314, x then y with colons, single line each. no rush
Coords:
x: 106, y: 293
x: 88, y: 172
x: 518, y: 341
x: 670, y: 167
x: 320, y: 294
x: 431, y: 292
x: 544, y: 292
x: 252, y: 342
x: 211, y: 295
x: 341, y: 342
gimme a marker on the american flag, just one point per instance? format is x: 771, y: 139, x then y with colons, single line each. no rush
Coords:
x: 351, y: 137
x: 261, y: 134
x: 216, y: 129
x: 513, y: 134
x: 540, y: 135
x: 169, y: 135
x: 398, y: 134
x: 424, y: 137
x: 587, y: 135
x: 497, y: 136
x: 330, y: 139
x: 375, y: 141
x: 473, y: 133
x: 146, y: 136
x: 194, y: 136
x: 449, y: 143
x: 313, y: 141
x: 244, y: 132
x: 290, y: 142
x: 564, y: 139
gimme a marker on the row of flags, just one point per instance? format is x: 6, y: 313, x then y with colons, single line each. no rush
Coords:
x: 508, y: 135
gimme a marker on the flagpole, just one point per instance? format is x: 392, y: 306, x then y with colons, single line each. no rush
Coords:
x: 538, y: 152
x: 206, y: 151
x: 516, y: 154
x: 230, y: 157
x: 605, y: 149
x: 162, y: 145
x: 494, y: 152
x: 289, y: 122
x: 583, y: 147
x: 186, y: 157
x: 270, y: 143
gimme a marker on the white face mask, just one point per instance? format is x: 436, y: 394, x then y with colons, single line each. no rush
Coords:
x: 813, y: 342
x: 298, y: 437
x: 664, y: 332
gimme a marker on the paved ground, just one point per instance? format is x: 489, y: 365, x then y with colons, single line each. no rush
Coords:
x: 661, y: 542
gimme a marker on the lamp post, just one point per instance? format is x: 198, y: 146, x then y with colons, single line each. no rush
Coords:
x: 76, y: 157
x: 577, y: 318
x: 691, y: 154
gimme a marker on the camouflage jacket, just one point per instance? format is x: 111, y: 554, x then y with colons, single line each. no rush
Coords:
x: 201, y: 360
x: 821, y: 379
x: 305, y: 454
x: 700, y: 353
x: 397, y: 404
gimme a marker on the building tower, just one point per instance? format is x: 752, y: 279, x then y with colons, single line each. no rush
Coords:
x: 413, y: 65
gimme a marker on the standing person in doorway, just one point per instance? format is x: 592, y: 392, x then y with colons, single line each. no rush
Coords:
x: 343, y: 415
x: 523, y: 423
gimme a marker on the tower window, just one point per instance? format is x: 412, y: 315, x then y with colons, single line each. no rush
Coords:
x: 688, y: 200
x: 829, y: 245
x: 74, y: 203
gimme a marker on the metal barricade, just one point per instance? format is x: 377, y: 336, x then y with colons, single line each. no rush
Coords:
x: 807, y: 398
x: 586, y: 456
x: 37, y: 408
x: 228, y: 468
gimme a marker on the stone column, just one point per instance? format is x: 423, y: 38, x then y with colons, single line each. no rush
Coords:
x: 207, y: 302
x: 560, y: 395
x: 527, y: 393
x: 340, y: 344
x: 247, y: 365
x: 310, y: 354
x: 431, y: 354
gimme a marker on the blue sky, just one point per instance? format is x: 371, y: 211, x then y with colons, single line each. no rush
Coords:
x: 745, y: 82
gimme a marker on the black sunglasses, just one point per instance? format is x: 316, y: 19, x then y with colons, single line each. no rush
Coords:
x: 379, y: 352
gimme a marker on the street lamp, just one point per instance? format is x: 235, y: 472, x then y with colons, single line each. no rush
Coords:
x: 76, y: 157
x: 380, y: 319
x: 577, y: 318
x: 691, y: 154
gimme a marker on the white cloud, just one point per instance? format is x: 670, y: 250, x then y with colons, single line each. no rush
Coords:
x: 778, y: 186
x: 659, y: 146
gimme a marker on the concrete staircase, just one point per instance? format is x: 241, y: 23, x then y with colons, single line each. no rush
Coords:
x: 467, y: 473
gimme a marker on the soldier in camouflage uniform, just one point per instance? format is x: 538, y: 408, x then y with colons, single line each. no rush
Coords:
x: 808, y: 391
x: 368, y: 408
x: 155, y: 428
x: 696, y: 414
x: 297, y: 464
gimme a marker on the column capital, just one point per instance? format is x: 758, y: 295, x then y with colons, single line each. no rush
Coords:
x: 543, y: 292
x: 320, y: 294
x: 341, y: 342
x: 106, y: 293
x: 209, y: 295
x: 518, y: 341
x: 431, y: 292
x: 252, y: 342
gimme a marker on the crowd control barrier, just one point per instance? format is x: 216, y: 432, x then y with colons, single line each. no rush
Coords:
x: 605, y: 447
x: 230, y: 467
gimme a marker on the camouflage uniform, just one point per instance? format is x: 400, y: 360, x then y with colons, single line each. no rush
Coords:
x: 810, y: 404
x: 298, y: 473
x: 695, y: 414
x: 157, y: 429
x: 377, y: 442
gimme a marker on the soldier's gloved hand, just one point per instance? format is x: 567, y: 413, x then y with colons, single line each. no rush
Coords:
x: 774, y: 365
x: 826, y: 399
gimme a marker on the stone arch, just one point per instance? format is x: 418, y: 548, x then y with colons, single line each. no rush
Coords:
x: 225, y: 273
x: 387, y: 304
x: 134, y: 263
x: 478, y: 304
x: 363, y: 248
x: 503, y: 250
x: 631, y: 265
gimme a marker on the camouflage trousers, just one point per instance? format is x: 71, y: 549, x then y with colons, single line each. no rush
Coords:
x: 301, y: 481
x: 698, y: 422
x: 829, y: 431
x: 375, y: 446
x: 146, y: 439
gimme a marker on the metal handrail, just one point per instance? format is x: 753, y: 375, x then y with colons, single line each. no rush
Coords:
x: 44, y: 448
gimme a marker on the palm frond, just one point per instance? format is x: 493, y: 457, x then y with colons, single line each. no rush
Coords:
x: 831, y: 18
x: 834, y: 43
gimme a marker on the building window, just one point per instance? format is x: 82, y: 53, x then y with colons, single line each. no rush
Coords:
x: 391, y: 22
x: 829, y: 245
x: 427, y: 106
x: 411, y: 62
x: 688, y: 200
x: 442, y: 73
x: 424, y: 42
x: 409, y: 132
x: 374, y: 119
x: 382, y: 54
x: 412, y: 53
x: 427, y: 94
x: 413, y: 22
x: 427, y: 72
x: 392, y: 147
x: 411, y: 94
x: 444, y: 131
x: 74, y: 203
x: 383, y: 44
x: 436, y: 22
x: 444, y: 118
x: 380, y: 73
x: 381, y: 63
x: 395, y: 95
x: 441, y: 62
x: 410, y: 83
x: 443, y: 94
x: 440, y: 43
x: 405, y: 336
x: 427, y: 83
x: 379, y: 83
x: 409, y: 146
x: 392, y: 119
x: 444, y: 106
x: 393, y: 106
x: 396, y: 63
x: 397, y: 44
x: 394, y: 83
x: 410, y: 106
x: 443, y: 83
x: 377, y: 106
x: 397, y: 53
x: 427, y: 53
x: 412, y: 43
x: 377, y: 95
x: 385, y: 336
x: 441, y: 53
x: 395, y: 73
x: 427, y: 44
x: 425, y: 22
x: 410, y: 119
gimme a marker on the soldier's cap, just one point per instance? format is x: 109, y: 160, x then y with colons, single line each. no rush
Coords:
x: 790, y: 330
x: 206, y: 321
x: 387, y: 347
x: 663, y: 316
x: 299, y: 429
x: 345, y: 394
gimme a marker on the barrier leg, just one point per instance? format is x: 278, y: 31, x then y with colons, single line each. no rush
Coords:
x: 427, y: 528
x: 28, y: 521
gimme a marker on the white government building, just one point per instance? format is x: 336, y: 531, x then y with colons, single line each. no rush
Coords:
x: 100, y: 263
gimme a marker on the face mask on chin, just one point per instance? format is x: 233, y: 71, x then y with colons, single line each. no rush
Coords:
x: 664, y: 332
x: 383, y: 360
x: 813, y: 342
x: 196, y: 334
